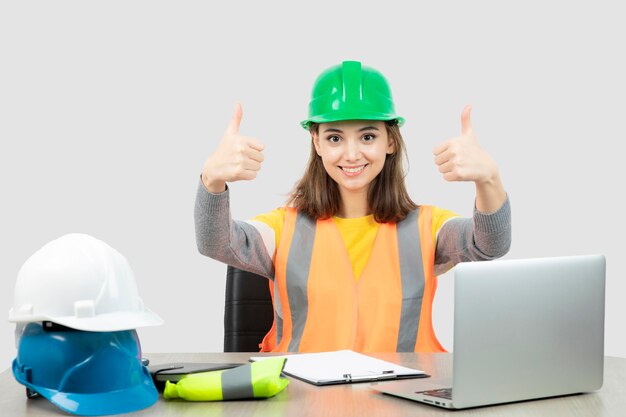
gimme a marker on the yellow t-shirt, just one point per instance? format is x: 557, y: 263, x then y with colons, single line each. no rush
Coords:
x: 358, y: 234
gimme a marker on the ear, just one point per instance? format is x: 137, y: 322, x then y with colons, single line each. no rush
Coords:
x: 391, y: 146
x: 316, y: 142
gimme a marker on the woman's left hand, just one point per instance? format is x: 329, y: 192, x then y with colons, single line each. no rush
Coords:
x: 462, y: 159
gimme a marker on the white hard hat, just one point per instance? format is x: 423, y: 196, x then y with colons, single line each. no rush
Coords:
x: 80, y: 282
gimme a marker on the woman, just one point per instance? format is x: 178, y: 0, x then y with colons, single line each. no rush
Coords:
x: 351, y: 258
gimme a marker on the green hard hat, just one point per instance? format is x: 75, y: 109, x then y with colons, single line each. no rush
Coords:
x: 350, y: 91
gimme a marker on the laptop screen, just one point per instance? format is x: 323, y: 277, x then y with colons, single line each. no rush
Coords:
x: 528, y: 328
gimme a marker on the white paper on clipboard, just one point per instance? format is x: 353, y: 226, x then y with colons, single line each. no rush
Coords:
x: 342, y: 366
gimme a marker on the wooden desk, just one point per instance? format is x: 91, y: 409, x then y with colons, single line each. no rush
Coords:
x: 301, y: 399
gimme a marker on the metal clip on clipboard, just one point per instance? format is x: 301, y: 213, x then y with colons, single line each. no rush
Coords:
x: 370, y: 377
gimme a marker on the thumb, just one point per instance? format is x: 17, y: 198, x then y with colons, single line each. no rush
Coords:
x: 466, y: 123
x: 233, y: 126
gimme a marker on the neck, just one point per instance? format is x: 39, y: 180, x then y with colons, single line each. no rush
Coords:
x: 353, y: 204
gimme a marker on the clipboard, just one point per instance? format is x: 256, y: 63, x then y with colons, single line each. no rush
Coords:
x: 342, y: 367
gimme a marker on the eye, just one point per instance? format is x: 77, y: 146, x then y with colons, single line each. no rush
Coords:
x: 368, y: 137
x: 333, y: 139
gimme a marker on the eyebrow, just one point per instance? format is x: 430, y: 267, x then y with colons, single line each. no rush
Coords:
x: 332, y: 129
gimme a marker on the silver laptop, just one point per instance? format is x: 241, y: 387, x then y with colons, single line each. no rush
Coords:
x: 523, y: 329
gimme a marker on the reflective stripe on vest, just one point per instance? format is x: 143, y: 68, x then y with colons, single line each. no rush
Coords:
x: 237, y: 383
x: 325, y: 308
x: 412, y: 274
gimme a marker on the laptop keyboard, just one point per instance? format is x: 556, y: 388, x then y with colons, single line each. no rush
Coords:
x: 439, y: 393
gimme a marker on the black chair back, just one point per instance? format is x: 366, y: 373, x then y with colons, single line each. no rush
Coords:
x: 248, y: 311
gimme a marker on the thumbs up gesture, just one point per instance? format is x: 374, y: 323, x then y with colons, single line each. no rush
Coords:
x: 462, y: 159
x: 236, y: 158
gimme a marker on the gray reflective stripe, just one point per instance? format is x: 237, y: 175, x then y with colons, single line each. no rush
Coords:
x: 278, y: 313
x: 298, y: 265
x: 412, y: 271
x: 279, y: 329
x: 237, y: 383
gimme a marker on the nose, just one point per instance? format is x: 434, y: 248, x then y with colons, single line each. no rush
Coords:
x: 352, y: 151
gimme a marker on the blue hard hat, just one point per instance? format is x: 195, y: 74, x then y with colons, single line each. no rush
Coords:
x: 85, y: 373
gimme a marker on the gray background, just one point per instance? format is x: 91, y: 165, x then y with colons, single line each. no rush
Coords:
x: 109, y: 109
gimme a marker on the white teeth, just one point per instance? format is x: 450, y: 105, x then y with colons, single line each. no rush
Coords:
x: 353, y: 170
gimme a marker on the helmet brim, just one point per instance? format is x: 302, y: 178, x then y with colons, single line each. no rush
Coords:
x: 335, y: 117
x: 135, y: 398
x: 109, y: 322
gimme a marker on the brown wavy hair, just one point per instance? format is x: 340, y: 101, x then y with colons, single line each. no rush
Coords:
x: 317, y: 194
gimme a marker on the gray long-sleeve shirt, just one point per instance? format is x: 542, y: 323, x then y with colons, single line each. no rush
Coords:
x: 240, y: 244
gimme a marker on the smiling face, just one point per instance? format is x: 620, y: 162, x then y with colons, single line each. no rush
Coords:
x: 353, y: 152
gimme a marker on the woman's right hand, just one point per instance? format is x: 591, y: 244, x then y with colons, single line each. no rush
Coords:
x: 236, y: 158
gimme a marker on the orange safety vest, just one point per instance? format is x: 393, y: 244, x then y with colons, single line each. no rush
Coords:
x: 324, y: 308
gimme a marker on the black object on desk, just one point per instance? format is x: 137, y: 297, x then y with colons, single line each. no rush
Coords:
x: 173, y: 372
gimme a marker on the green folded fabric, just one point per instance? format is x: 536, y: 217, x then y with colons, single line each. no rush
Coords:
x: 260, y: 379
